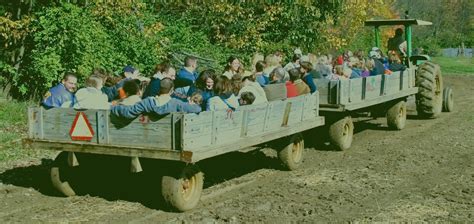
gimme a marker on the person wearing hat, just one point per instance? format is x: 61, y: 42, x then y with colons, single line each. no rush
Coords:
x: 378, y: 65
x: 116, y: 91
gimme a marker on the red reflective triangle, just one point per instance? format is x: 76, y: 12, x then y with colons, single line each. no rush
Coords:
x: 81, y: 129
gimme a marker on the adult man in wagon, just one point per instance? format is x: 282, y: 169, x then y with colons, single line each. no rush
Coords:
x: 61, y: 95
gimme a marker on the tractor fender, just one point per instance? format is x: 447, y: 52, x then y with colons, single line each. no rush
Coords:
x: 419, y: 59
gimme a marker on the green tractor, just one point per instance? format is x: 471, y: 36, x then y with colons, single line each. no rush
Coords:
x: 431, y: 98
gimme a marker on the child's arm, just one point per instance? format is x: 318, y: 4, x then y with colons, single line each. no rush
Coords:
x: 144, y: 106
x: 188, y: 108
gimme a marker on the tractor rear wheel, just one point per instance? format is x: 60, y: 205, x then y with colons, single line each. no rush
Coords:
x: 429, y: 99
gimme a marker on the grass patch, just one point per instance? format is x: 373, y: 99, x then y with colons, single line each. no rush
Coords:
x: 13, y: 128
x: 457, y: 65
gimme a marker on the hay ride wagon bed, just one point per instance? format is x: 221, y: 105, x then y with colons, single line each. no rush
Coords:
x: 380, y: 95
x: 181, y: 139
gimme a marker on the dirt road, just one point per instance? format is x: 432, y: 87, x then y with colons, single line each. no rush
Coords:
x: 422, y: 173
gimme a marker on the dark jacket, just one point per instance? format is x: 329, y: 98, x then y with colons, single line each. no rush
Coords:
x: 394, y: 67
x: 112, y: 92
x: 308, y: 79
x: 152, y: 88
x: 205, y: 93
x: 379, y: 69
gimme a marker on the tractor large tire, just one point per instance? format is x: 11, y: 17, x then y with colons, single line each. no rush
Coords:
x: 448, y: 103
x: 429, y: 99
x: 397, y: 116
x: 341, y: 133
x: 292, y: 155
x: 182, y: 190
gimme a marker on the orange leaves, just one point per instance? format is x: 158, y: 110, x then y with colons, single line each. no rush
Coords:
x: 13, y: 30
x: 349, y: 25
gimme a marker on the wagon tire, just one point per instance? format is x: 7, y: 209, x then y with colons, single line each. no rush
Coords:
x: 182, y: 190
x: 397, y: 116
x: 448, y: 102
x: 429, y: 99
x: 341, y: 133
x: 291, y: 155
x: 63, y: 176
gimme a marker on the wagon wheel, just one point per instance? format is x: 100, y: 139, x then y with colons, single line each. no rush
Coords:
x: 63, y: 175
x: 397, y: 116
x: 341, y: 132
x: 292, y: 155
x: 448, y: 102
x: 182, y: 191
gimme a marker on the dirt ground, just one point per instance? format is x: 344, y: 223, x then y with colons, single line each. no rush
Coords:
x: 422, y: 173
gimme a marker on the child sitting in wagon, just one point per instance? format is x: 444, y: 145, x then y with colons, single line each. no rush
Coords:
x: 160, y: 105
x: 91, y: 97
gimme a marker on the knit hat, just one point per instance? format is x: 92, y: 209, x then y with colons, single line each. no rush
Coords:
x: 129, y: 69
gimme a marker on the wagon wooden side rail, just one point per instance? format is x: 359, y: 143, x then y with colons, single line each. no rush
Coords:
x: 182, y: 137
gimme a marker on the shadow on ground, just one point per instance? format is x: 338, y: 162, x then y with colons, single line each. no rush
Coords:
x: 109, y: 178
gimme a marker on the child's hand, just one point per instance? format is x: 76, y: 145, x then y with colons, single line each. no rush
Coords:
x: 190, y: 101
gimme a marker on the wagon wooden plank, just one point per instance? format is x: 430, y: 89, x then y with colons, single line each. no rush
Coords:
x: 344, y: 91
x: 275, y: 116
x: 228, y: 126
x: 355, y: 92
x: 381, y: 99
x: 296, y: 111
x: 211, y: 151
x: 373, y: 87
x: 391, y: 83
x: 57, y: 123
x: 117, y: 150
x: 254, y: 121
x: 35, y: 122
x: 103, y: 127
x: 197, y: 129
x: 156, y: 134
x: 311, y: 106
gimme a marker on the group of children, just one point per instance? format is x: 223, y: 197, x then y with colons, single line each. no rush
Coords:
x: 188, y: 91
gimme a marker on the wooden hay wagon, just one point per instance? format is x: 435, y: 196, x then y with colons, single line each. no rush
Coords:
x: 181, y: 139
